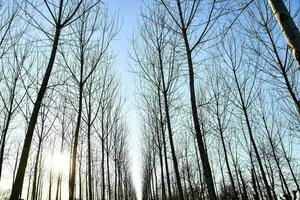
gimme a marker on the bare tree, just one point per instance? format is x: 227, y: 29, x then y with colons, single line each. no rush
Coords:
x: 58, y: 19
x: 246, y: 93
x: 12, y: 77
x: 184, y: 14
x: 84, y: 32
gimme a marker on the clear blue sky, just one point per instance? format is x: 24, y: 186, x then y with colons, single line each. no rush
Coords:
x: 128, y: 15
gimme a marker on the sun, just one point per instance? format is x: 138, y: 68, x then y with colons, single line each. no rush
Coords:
x: 58, y: 162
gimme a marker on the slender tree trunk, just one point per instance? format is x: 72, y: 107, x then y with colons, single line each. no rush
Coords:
x: 289, y: 163
x: 59, y: 176
x: 253, y: 179
x: 160, y: 150
x: 236, y: 169
x: 155, y: 178
x: 174, y: 158
x: 151, y: 188
x: 284, y: 72
x: 164, y: 148
x: 6, y: 126
x: 199, y: 136
x: 50, y: 185
x: 75, y: 144
x: 80, y: 182
x: 244, y: 192
x: 86, y: 184
x: 226, y: 158
x: 257, y: 155
x: 199, y: 168
x: 288, y: 27
x: 39, y: 187
x: 119, y: 182
x: 252, y: 140
x: 275, y: 156
x: 222, y: 174
x: 185, y: 190
x: 58, y: 186
x: 18, y: 184
x: 203, y: 154
x: 90, y: 186
x: 116, y: 178
x: 28, y: 188
x: 79, y: 171
x: 189, y: 178
x: 162, y: 174
x: 34, y: 184
x: 103, y: 169
x: 3, y: 138
x: 15, y: 166
x: 108, y: 170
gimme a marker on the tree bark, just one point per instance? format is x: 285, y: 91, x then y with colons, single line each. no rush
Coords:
x: 288, y: 27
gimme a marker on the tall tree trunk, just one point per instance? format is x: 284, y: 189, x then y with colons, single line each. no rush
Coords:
x: 10, y: 112
x: 116, y: 178
x: 90, y: 186
x: 164, y: 147
x: 15, y: 166
x: 80, y: 182
x: 226, y: 157
x: 59, y: 176
x: 199, y: 168
x: 103, y: 155
x: 79, y: 171
x: 288, y: 26
x: 275, y: 156
x: 167, y: 112
x: 28, y: 187
x: 58, y: 186
x: 103, y: 169
x: 203, y: 154
x: 3, y: 138
x: 108, y: 170
x: 86, y: 183
x: 236, y: 169
x: 155, y: 177
x: 289, y: 163
x: 253, y: 179
x: 120, y: 196
x: 252, y: 140
x: 50, y: 185
x: 189, y: 176
x: 34, y: 184
x: 244, y: 191
x: 160, y: 150
x: 76, y: 137
x: 18, y: 184
x: 284, y: 71
x: 39, y: 187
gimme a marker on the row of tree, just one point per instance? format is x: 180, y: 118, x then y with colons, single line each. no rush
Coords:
x: 58, y: 84
x: 219, y: 98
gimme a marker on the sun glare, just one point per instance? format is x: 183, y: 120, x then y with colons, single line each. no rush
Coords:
x: 58, y: 162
